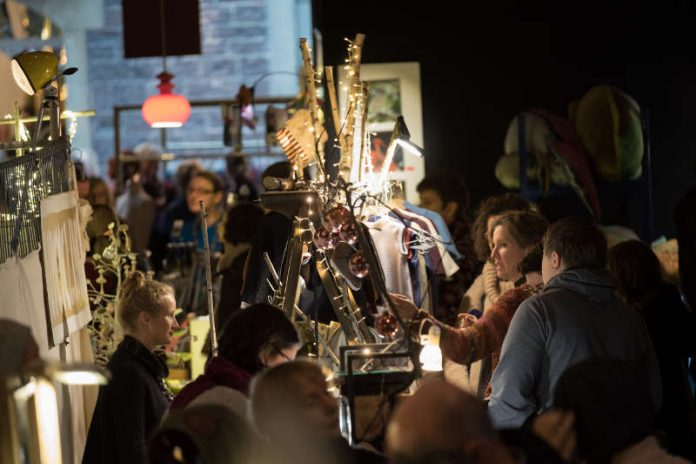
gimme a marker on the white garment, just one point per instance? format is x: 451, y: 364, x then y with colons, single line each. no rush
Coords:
x: 387, y: 235
x: 21, y: 287
x: 64, y: 265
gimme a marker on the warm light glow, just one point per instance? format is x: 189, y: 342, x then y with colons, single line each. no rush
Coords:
x: 21, y: 78
x: 410, y: 148
x: 25, y: 392
x: 166, y: 109
x: 431, y: 355
x: 431, y: 358
x: 81, y: 377
x: 47, y: 422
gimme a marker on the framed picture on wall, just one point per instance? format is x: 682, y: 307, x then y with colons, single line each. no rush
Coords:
x: 394, y: 90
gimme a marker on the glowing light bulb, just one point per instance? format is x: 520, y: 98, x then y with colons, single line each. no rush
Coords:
x: 431, y: 355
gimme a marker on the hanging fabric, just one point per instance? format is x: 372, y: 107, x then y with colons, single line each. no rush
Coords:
x: 439, y: 259
x: 21, y: 287
x: 64, y: 256
x: 387, y: 235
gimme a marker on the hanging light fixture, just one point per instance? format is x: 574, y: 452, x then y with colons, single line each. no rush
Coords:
x: 165, y: 109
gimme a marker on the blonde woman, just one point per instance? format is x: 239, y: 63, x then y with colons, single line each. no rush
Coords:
x: 130, y: 407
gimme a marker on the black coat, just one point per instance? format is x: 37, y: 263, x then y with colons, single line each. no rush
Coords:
x: 129, y: 408
x: 672, y: 328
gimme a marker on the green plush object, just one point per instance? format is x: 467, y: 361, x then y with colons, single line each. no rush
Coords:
x: 608, y: 123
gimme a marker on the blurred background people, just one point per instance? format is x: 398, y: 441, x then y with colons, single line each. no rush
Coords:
x: 293, y: 410
x: 136, y: 207
x: 208, y: 434
x: 206, y: 187
x: 99, y: 193
x: 672, y: 328
x: 447, y: 195
x: 614, y: 414
x: 240, y: 224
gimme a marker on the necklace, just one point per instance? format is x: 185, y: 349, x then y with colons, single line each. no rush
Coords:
x: 165, y: 390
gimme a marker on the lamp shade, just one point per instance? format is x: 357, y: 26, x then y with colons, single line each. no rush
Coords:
x: 166, y: 109
x: 33, y: 70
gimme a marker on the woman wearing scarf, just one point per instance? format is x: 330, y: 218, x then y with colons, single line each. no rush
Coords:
x: 252, y: 339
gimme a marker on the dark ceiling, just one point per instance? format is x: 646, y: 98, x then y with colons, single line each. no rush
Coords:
x: 481, y: 63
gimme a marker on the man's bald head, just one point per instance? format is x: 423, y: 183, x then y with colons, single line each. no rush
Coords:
x: 438, y: 417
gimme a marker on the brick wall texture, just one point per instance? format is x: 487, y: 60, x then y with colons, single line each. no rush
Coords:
x: 234, y: 50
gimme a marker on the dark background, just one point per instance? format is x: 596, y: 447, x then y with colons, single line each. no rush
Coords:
x: 481, y: 66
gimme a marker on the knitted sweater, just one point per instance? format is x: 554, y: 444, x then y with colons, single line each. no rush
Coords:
x: 485, y: 336
x: 482, y: 294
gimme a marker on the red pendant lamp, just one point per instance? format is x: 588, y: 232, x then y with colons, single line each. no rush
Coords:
x: 166, y: 109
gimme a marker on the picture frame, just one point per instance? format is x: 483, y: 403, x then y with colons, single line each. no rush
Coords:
x: 394, y: 89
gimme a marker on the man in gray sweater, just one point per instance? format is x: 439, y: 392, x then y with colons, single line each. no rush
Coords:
x: 577, y: 316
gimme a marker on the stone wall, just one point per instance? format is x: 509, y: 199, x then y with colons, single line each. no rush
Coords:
x: 234, y: 50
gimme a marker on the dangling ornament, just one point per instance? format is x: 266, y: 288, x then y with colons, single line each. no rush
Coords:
x: 349, y: 232
x: 358, y: 265
x: 386, y: 325
x: 322, y: 239
x: 335, y: 218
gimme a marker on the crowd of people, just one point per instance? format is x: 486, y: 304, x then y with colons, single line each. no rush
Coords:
x: 556, y: 346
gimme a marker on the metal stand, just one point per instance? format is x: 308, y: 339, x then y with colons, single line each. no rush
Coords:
x: 385, y: 381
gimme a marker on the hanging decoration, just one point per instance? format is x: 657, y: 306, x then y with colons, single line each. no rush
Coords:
x: 166, y: 109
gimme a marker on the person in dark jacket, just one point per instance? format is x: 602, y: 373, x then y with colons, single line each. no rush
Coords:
x: 252, y: 339
x: 672, y: 328
x: 130, y: 407
x: 610, y: 400
x: 241, y: 222
x: 576, y: 316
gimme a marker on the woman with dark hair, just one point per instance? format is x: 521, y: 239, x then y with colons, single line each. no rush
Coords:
x: 99, y: 193
x: 240, y: 226
x: 252, y: 339
x: 207, y: 187
x: 672, y: 328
